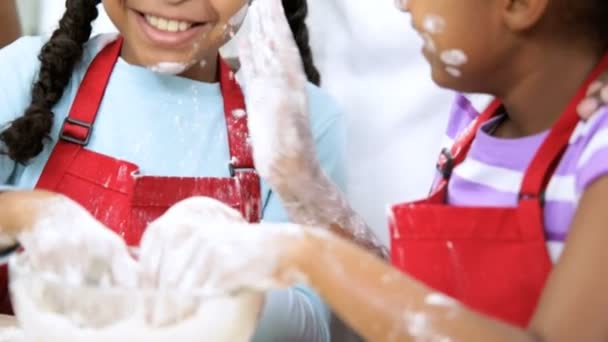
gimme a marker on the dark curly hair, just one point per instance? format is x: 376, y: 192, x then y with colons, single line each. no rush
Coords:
x: 583, y: 19
x: 24, y: 138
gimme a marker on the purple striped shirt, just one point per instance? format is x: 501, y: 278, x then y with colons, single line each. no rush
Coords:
x: 492, y: 172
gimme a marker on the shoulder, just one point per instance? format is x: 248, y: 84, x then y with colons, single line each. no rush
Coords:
x: 97, y: 43
x: 328, y: 129
x: 19, y: 66
x: 23, y: 50
x: 19, y: 61
x: 90, y: 50
x: 324, y: 110
x: 320, y: 100
x: 21, y: 57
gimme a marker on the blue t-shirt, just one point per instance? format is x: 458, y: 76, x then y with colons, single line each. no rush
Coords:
x: 170, y: 126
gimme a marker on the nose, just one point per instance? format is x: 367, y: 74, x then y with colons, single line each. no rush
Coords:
x: 402, y: 5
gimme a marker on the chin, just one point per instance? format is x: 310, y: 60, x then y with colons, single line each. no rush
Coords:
x: 451, y: 80
x: 155, y: 55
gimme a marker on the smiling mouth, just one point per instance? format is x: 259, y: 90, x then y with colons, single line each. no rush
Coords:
x: 168, y: 24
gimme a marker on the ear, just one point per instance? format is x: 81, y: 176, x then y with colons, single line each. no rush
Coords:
x: 520, y: 15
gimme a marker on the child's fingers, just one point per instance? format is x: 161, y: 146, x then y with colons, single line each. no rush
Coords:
x: 259, y: 40
x: 587, y: 107
x: 258, y: 31
x: 274, y: 11
x: 604, y: 95
x: 597, y: 96
x: 595, y: 87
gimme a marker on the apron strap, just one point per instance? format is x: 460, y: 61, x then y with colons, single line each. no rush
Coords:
x: 547, y: 157
x: 78, y: 125
x: 241, y: 156
x: 451, y: 157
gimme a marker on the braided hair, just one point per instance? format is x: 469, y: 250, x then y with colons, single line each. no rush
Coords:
x: 25, y: 136
x: 296, y: 12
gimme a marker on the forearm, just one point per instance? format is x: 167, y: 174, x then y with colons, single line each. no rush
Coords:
x: 314, y: 200
x: 382, y: 304
x: 11, y: 28
x: 296, y: 314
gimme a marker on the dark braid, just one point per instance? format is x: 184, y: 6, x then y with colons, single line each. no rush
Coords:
x: 25, y: 136
x: 296, y: 12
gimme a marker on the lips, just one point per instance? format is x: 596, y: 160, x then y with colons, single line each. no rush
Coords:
x: 170, y: 32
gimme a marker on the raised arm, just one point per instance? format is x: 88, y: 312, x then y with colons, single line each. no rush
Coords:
x: 283, y: 145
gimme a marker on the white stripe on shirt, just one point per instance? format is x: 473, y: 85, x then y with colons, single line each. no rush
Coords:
x: 582, y: 128
x: 560, y: 188
x: 555, y: 248
x: 598, y: 142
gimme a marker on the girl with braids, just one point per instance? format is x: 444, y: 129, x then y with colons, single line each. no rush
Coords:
x: 127, y: 126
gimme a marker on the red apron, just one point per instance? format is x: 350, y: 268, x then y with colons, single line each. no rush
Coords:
x: 114, y: 191
x: 493, y: 260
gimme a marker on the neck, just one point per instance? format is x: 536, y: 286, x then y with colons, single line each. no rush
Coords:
x: 545, y: 80
x: 205, y: 70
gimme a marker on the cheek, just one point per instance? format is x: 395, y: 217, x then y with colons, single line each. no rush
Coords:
x: 115, y: 11
x: 231, y: 14
x: 230, y: 10
x: 447, y: 44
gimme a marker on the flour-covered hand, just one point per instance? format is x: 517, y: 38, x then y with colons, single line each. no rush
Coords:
x: 201, y: 245
x: 173, y: 251
x: 275, y: 90
x: 62, y: 238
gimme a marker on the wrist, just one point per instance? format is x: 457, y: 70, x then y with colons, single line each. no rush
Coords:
x: 295, y: 263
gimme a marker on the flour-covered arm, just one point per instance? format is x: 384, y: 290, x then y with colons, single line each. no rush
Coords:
x: 279, y: 123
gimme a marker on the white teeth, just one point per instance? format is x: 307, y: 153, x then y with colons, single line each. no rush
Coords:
x: 168, y: 24
x: 183, y: 26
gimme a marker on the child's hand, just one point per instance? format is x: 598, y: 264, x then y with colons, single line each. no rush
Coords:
x: 597, y: 96
x: 202, y: 244
x: 172, y: 253
x: 276, y: 97
x: 61, y: 237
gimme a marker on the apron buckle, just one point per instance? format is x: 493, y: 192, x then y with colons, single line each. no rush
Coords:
x: 526, y: 196
x: 76, y: 138
x: 234, y: 169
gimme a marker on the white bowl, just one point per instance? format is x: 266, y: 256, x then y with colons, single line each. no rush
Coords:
x: 48, y: 309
